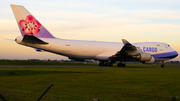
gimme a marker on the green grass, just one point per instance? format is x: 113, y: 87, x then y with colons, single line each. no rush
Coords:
x: 37, y: 63
x: 84, y: 84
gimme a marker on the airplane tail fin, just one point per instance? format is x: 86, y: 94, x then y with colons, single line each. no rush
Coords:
x: 28, y: 24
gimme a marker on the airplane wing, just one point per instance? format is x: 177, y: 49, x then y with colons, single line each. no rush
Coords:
x: 126, y: 52
x: 128, y: 48
x: 130, y: 53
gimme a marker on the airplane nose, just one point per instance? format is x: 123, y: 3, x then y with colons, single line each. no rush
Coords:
x: 176, y: 54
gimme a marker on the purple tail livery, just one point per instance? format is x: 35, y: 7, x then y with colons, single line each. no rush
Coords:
x: 28, y: 24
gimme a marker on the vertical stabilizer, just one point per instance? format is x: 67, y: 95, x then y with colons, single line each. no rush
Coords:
x: 28, y: 24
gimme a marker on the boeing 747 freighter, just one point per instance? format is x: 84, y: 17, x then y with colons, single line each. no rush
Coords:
x: 35, y: 35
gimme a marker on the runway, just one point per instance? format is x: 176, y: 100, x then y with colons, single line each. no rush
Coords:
x: 59, y: 66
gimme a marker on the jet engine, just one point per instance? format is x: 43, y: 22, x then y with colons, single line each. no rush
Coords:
x: 151, y: 61
x: 142, y: 57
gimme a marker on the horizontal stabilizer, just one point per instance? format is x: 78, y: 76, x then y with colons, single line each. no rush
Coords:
x: 9, y: 39
x: 32, y: 39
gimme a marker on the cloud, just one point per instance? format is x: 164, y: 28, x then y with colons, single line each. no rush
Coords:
x: 7, y: 27
x: 101, y: 30
x: 154, y: 1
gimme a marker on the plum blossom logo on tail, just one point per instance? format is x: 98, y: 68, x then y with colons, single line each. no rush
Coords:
x: 30, y: 25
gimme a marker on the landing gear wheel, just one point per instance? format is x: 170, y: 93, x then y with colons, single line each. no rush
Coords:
x: 110, y: 64
x: 121, y: 65
x: 162, y: 66
x: 101, y: 64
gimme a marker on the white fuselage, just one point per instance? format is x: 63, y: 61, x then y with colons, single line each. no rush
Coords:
x: 96, y: 49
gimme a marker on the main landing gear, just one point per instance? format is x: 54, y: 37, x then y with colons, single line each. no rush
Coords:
x: 121, y: 65
x: 106, y: 63
x: 110, y: 64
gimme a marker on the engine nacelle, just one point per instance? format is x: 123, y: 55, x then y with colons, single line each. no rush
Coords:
x: 151, y: 61
x: 142, y: 57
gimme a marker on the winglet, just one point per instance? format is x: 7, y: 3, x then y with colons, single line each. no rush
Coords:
x: 125, y: 42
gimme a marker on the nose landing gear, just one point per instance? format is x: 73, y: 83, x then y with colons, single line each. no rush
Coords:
x: 163, y: 64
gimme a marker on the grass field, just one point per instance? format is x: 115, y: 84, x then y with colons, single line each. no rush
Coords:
x: 85, y: 83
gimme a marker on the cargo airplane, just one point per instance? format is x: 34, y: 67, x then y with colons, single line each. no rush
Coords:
x: 35, y: 35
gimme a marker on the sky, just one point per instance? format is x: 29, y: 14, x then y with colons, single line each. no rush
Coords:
x: 100, y: 20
